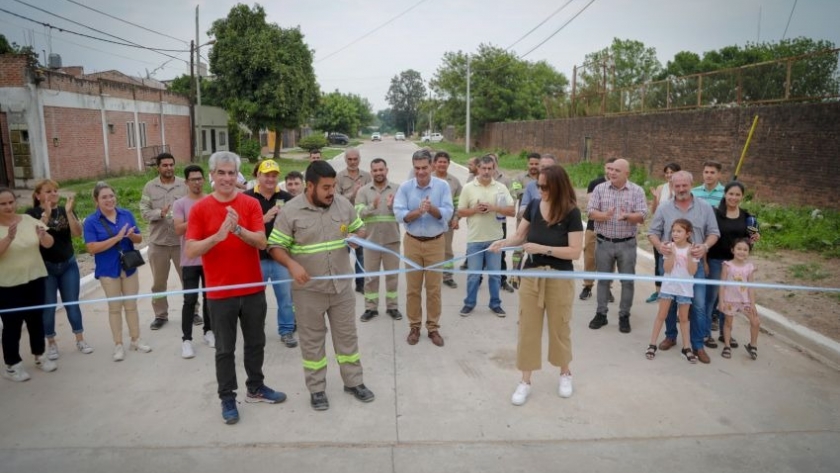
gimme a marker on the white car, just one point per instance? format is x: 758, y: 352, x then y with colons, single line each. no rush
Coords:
x: 376, y: 137
x: 400, y: 136
x: 434, y: 138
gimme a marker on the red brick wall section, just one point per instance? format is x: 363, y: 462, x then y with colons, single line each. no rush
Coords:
x: 74, y: 143
x: 6, y: 151
x: 792, y: 159
x: 178, y: 137
x: 12, y: 70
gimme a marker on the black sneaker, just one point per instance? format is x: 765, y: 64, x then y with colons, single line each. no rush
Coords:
x: 498, y: 311
x: 158, y: 323
x: 624, y: 324
x: 369, y: 314
x: 598, y: 321
x: 450, y: 283
x: 361, y: 393
x: 230, y: 413
x: 394, y: 314
x: 466, y: 310
x: 319, y: 401
x: 507, y: 287
x: 586, y: 293
x: 360, y: 290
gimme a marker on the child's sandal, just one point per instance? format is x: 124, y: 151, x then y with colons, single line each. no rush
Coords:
x: 651, y: 352
x: 726, y: 353
x: 689, y: 355
x: 753, y: 351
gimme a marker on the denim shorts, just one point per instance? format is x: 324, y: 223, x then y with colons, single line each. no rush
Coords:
x: 680, y: 299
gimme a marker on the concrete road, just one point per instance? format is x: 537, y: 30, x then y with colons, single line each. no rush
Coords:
x: 437, y: 409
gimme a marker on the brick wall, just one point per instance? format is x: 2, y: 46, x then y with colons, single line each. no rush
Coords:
x: 74, y: 142
x: 793, y: 157
x: 12, y: 70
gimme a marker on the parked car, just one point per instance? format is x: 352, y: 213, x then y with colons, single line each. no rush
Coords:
x: 434, y: 138
x: 338, y: 139
x: 400, y: 136
x: 376, y: 137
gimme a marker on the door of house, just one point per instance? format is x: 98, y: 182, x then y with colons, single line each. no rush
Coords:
x: 213, y: 140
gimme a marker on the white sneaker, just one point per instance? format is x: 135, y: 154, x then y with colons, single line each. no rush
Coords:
x: 119, y: 352
x: 523, y: 390
x: 83, y: 347
x: 187, y: 350
x: 210, y: 339
x: 16, y: 372
x: 52, y: 351
x: 565, y: 389
x: 139, y: 345
x: 45, y: 363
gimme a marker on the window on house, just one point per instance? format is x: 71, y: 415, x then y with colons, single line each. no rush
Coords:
x: 203, y: 140
x: 129, y: 130
x: 222, y: 138
x: 142, y: 134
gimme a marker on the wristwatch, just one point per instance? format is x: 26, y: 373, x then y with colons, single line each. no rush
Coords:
x: 237, y: 230
x: 548, y: 253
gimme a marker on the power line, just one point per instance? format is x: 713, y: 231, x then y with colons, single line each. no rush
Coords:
x: 534, y: 28
x: 790, y: 17
x: 126, y: 21
x: 370, y: 32
x: 83, y: 46
x: 558, y: 29
x: 98, y: 31
x: 64, y: 30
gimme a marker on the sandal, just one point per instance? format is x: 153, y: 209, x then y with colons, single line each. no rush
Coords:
x: 726, y: 353
x: 689, y: 355
x: 753, y: 351
x: 651, y: 352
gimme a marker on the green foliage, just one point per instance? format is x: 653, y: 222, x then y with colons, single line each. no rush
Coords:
x: 387, y: 123
x: 313, y: 141
x: 250, y: 150
x: 807, y: 271
x: 250, y: 57
x: 405, y: 94
x: 502, y: 87
x: 185, y: 85
x: 234, y: 134
x: 797, y: 228
x: 337, y: 113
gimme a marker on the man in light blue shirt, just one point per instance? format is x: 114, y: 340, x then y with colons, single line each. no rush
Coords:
x: 712, y: 190
x: 531, y: 192
x: 424, y: 205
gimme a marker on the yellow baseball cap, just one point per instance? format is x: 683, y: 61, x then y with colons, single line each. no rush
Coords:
x: 269, y: 165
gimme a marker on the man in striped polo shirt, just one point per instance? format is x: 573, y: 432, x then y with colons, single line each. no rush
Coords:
x: 617, y: 207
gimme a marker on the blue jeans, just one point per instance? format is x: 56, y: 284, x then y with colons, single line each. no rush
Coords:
x: 715, y: 268
x: 282, y: 292
x: 697, y: 316
x: 64, y: 278
x: 486, y: 260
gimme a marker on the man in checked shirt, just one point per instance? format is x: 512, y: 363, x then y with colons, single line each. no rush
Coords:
x: 617, y: 207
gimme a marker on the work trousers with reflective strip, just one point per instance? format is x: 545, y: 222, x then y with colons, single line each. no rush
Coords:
x: 340, y: 308
x: 374, y: 261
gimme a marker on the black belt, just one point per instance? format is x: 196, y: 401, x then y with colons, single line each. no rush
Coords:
x: 614, y: 240
x: 419, y: 238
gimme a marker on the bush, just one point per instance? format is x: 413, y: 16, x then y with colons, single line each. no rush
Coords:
x: 250, y: 150
x: 313, y: 141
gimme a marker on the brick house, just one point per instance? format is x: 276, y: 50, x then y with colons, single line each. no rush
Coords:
x: 63, y: 125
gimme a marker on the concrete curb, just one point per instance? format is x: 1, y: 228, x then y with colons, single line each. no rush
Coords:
x: 802, y: 338
x: 88, y: 283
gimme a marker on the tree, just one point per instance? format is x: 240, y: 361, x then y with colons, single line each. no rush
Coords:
x: 615, y: 70
x: 502, y: 87
x: 185, y: 85
x: 263, y: 72
x: 337, y: 112
x: 386, y: 120
x: 405, y: 94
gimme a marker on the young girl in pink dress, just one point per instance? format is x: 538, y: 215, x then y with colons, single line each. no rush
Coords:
x: 741, y: 299
x: 679, y: 264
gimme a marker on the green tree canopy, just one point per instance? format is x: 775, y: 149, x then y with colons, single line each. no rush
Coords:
x: 503, y: 87
x: 185, y: 85
x: 263, y: 72
x: 345, y: 113
x: 405, y: 95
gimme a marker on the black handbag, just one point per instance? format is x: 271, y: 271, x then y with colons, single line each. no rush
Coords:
x: 130, y: 259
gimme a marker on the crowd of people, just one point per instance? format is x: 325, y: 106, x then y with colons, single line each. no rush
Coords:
x: 245, y: 235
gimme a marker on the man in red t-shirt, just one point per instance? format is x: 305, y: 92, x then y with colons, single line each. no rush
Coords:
x: 226, y: 230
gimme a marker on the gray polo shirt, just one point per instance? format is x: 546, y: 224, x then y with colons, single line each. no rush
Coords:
x: 699, y: 213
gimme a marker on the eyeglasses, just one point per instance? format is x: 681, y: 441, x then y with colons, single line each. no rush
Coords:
x: 542, y: 187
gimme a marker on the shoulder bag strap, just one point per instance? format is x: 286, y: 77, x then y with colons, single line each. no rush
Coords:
x: 111, y: 234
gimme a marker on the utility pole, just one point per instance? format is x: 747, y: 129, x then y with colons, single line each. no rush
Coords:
x: 199, y: 139
x: 192, y: 101
x: 467, y: 140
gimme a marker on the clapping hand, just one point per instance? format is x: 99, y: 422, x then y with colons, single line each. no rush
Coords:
x: 425, y: 205
x: 70, y: 204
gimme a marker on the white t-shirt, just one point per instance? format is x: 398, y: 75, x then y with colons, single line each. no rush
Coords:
x: 680, y: 270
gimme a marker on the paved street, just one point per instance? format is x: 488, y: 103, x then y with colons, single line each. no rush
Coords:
x: 436, y: 409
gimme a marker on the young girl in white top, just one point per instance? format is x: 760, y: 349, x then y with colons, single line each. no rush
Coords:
x: 679, y: 264
x: 734, y: 299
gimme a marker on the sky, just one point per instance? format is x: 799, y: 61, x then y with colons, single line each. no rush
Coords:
x: 361, y: 44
